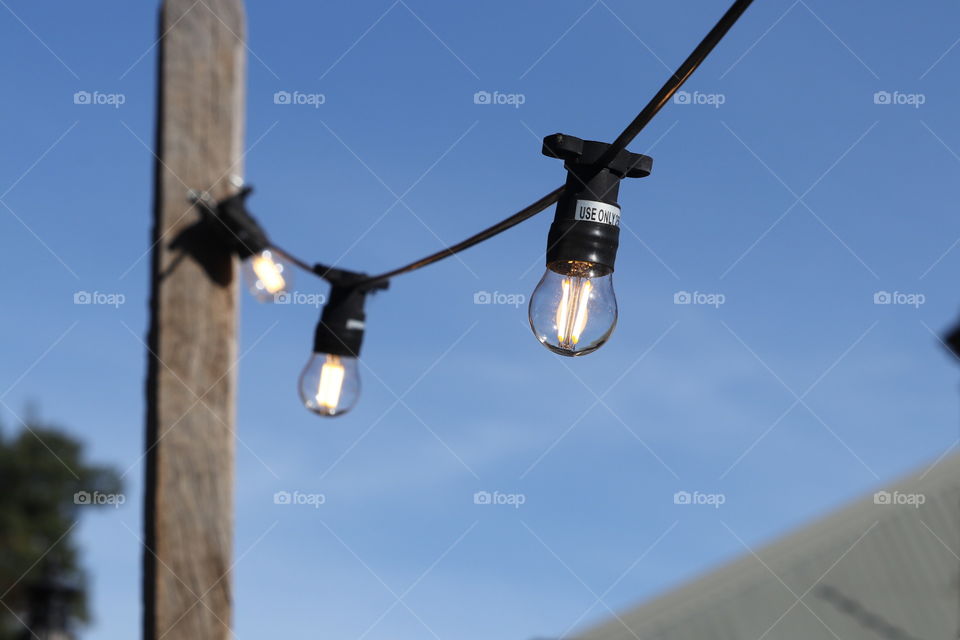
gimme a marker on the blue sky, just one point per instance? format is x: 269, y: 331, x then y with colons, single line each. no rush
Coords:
x: 798, y: 199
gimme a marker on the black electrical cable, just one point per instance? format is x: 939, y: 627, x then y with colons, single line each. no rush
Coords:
x: 292, y: 258
x: 373, y: 281
x: 524, y: 214
x: 674, y: 82
x: 669, y: 88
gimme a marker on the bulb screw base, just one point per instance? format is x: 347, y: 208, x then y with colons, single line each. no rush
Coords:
x: 586, y: 225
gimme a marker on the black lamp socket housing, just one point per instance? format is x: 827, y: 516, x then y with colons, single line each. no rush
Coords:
x: 586, y: 225
x: 340, y: 330
x: 232, y: 222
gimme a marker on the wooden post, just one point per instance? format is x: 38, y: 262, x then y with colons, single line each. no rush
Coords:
x: 191, y: 373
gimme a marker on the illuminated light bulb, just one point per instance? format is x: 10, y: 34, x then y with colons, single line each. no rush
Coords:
x: 330, y: 384
x: 573, y: 311
x: 266, y: 275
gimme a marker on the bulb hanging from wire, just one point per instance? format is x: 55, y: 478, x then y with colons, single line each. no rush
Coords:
x: 266, y: 275
x: 330, y: 384
x: 573, y: 310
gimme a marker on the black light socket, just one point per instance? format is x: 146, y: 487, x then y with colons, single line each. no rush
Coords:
x: 232, y: 222
x: 586, y: 225
x: 340, y: 330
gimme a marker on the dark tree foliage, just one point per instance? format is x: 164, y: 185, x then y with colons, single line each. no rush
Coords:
x: 45, y: 485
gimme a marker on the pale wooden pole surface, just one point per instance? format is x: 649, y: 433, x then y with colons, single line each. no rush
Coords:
x: 192, y: 370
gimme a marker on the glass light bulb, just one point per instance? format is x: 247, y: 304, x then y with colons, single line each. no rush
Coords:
x: 266, y: 275
x: 330, y: 384
x: 573, y: 310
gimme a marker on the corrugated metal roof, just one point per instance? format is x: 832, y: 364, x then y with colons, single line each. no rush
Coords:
x: 870, y: 571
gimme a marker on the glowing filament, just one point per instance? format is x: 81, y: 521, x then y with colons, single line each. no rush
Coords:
x: 331, y: 383
x: 572, y: 311
x: 269, y: 273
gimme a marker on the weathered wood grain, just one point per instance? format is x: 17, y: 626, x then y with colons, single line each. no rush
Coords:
x: 192, y: 339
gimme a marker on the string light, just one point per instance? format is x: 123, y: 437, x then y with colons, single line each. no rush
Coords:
x: 266, y: 276
x: 265, y: 272
x: 330, y: 383
x: 573, y: 310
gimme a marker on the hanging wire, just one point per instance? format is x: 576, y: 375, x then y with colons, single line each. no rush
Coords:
x: 524, y: 214
x: 669, y: 88
x: 674, y: 82
x: 289, y: 257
